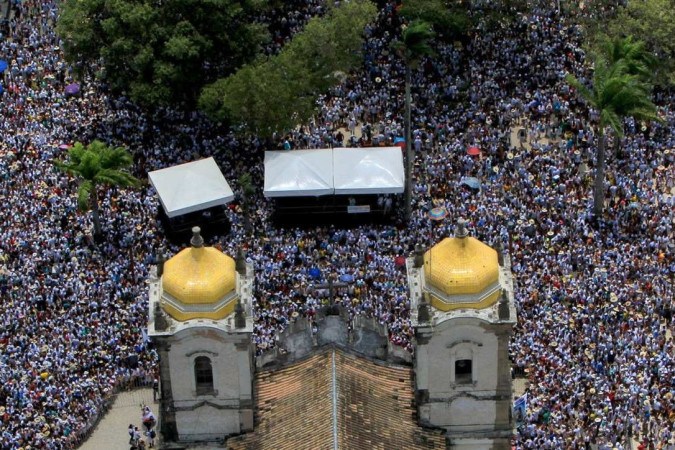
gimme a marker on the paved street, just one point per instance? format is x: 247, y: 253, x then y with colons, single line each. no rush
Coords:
x: 111, y: 432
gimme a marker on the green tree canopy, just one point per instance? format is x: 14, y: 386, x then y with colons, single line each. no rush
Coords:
x: 277, y: 93
x: 160, y: 51
x: 97, y: 164
x: 415, y: 42
x: 650, y: 21
x: 448, y: 19
x: 634, y: 55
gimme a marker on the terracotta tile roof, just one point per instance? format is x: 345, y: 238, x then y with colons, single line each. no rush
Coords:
x: 373, y: 409
x: 376, y: 407
x: 293, y: 408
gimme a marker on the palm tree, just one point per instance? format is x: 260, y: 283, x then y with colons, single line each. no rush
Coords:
x: 615, y: 94
x: 637, y: 59
x: 412, y: 47
x: 97, y: 164
x: 633, y: 53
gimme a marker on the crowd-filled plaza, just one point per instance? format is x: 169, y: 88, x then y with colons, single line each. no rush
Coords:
x: 594, y: 297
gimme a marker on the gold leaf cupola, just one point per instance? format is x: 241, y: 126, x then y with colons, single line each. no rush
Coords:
x: 199, y: 282
x: 461, y: 272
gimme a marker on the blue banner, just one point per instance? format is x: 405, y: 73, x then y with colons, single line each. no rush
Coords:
x: 519, y: 409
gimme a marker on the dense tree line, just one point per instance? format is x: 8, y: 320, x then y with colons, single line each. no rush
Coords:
x: 160, y: 52
x: 278, y: 92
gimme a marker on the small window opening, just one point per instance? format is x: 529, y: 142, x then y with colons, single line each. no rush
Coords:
x: 463, y: 374
x: 203, y: 375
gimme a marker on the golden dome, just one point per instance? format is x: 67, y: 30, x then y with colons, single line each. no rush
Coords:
x: 462, y: 272
x: 200, y: 283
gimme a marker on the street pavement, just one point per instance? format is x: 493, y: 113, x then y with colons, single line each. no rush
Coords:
x: 111, y: 432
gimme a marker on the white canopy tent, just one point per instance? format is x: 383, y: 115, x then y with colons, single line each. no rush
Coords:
x: 298, y: 173
x: 377, y: 170
x: 338, y: 171
x: 191, y: 187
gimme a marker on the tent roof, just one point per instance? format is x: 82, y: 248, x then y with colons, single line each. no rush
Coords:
x: 338, y: 171
x: 298, y: 173
x: 376, y: 170
x: 191, y: 187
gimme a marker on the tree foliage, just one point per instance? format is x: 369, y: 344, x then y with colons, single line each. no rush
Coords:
x: 616, y: 94
x: 633, y: 54
x: 415, y: 42
x: 97, y: 164
x: 449, y: 19
x: 277, y: 93
x: 159, y: 51
x: 650, y: 21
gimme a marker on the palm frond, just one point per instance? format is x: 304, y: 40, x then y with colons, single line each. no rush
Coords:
x: 632, y: 53
x: 114, y: 177
x: 616, y: 92
x: 116, y: 158
x: 73, y: 159
x: 415, y: 42
x: 609, y: 118
x: 75, y: 152
x: 98, y: 162
x: 84, y: 195
x: 416, y: 38
x: 585, y: 93
x: 66, y: 167
x: 399, y: 48
x: 648, y: 114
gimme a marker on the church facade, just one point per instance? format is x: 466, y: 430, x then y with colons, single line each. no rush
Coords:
x: 200, y: 321
x: 463, y: 314
x: 334, y: 383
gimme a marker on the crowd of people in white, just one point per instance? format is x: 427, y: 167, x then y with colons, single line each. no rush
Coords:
x: 594, y: 296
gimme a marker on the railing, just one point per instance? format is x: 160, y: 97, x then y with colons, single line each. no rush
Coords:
x: 78, y: 437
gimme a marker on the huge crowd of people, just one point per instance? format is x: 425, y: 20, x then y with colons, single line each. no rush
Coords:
x: 594, y: 297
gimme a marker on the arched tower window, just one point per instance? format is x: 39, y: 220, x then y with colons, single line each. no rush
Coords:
x: 203, y: 375
x: 463, y: 371
x: 462, y: 360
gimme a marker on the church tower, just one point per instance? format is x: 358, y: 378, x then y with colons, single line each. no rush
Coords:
x: 200, y: 320
x: 463, y: 314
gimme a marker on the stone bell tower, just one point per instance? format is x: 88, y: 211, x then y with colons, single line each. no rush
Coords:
x: 200, y: 320
x: 463, y: 315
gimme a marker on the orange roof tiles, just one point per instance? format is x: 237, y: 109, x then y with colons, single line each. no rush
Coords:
x: 293, y: 409
x: 374, y: 409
